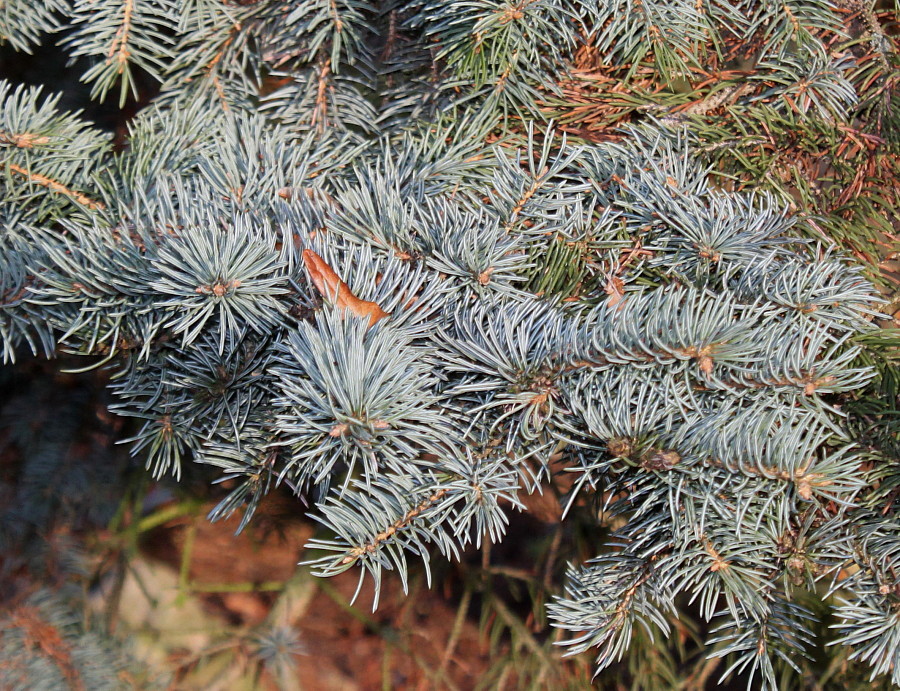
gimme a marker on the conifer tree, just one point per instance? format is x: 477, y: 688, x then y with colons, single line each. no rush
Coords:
x: 405, y: 258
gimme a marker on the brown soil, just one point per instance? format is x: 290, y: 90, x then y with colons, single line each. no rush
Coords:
x: 412, y: 641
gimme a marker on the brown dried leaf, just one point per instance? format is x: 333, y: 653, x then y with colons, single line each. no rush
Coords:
x: 333, y: 289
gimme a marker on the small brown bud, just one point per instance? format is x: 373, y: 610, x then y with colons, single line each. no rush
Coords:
x: 661, y: 460
x: 620, y: 447
x: 339, y: 430
x: 796, y: 563
x: 718, y: 564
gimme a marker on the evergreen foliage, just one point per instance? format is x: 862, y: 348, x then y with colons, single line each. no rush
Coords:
x: 343, y: 251
x: 44, y: 647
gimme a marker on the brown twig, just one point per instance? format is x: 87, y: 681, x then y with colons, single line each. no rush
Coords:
x: 119, y: 46
x: 56, y: 187
x: 389, y: 532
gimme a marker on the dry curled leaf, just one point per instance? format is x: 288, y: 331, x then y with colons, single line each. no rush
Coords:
x: 332, y: 288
